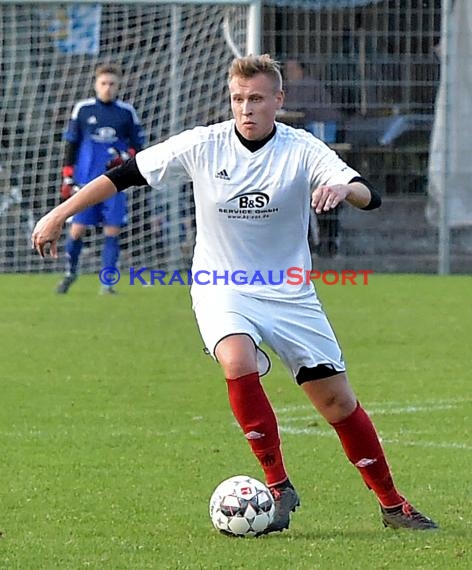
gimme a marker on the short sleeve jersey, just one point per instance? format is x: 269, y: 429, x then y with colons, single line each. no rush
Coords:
x: 99, y: 130
x: 252, y: 208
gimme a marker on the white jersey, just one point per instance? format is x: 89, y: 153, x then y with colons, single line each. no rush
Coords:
x: 252, y: 208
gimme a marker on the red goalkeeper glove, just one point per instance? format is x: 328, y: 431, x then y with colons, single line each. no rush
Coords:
x: 68, y: 184
x: 119, y: 157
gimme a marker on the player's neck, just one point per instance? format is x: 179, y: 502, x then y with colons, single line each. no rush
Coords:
x: 254, y: 145
x: 108, y: 102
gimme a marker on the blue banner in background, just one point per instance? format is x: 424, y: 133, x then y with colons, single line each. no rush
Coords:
x: 76, y: 29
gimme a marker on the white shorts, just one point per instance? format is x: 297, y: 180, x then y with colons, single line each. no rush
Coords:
x: 297, y: 330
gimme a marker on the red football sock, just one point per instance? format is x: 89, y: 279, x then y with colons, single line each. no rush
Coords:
x: 255, y: 415
x: 363, y: 448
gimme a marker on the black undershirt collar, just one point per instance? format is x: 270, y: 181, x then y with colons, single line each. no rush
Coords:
x: 254, y: 145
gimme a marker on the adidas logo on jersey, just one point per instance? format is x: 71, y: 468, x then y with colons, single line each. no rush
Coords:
x: 222, y: 174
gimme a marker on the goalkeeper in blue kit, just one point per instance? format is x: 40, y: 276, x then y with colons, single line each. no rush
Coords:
x: 103, y: 132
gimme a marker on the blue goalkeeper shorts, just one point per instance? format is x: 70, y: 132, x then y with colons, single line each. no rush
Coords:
x: 112, y: 212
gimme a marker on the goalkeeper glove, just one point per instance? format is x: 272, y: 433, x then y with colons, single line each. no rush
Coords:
x: 119, y: 157
x: 68, y: 185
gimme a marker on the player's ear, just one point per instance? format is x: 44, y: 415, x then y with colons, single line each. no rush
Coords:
x: 280, y: 96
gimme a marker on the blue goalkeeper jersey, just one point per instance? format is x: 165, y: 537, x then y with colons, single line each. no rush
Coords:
x: 99, y: 130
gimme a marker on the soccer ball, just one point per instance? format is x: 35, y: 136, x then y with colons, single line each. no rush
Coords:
x: 241, y: 506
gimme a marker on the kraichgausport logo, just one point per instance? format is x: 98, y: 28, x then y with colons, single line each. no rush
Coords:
x: 146, y: 276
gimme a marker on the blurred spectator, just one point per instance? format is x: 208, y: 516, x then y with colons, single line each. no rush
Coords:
x: 308, y: 105
x: 308, y: 95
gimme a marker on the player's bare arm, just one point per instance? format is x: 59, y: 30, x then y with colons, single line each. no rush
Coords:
x: 326, y: 198
x: 48, y: 229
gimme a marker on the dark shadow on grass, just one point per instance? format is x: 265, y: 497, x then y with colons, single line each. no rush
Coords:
x: 358, y: 534
x: 324, y: 535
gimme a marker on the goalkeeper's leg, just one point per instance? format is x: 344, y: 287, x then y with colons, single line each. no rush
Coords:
x: 110, y: 254
x: 73, y: 249
x: 114, y: 213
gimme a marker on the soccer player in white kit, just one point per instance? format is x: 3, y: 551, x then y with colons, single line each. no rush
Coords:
x: 253, y: 179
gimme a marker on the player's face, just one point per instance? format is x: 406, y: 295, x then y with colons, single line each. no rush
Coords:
x: 106, y: 87
x: 254, y: 103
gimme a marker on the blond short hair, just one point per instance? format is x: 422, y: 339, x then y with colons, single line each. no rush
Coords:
x: 107, y: 68
x: 252, y: 65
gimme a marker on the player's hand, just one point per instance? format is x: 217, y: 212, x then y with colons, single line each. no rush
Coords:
x: 68, y: 185
x: 119, y: 157
x: 47, y: 232
x: 326, y: 198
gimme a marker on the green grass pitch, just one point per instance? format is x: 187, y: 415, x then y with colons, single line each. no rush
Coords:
x: 115, y: 429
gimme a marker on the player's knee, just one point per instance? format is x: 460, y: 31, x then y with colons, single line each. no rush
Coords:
x: 236, y: 368
x: 236, y: 354
x: 335, y: 398
x: 111, y: 231
x: 77, y: 231
x: 236, y: 364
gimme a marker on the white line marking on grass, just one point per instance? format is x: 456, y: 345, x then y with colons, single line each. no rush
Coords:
x: 385, y: 410
x: 423, y: 402
x: 410, y: 409
x: 294, y: 409
x: 434, y: 444
x: 307, y: 431
x: 407, y: 443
